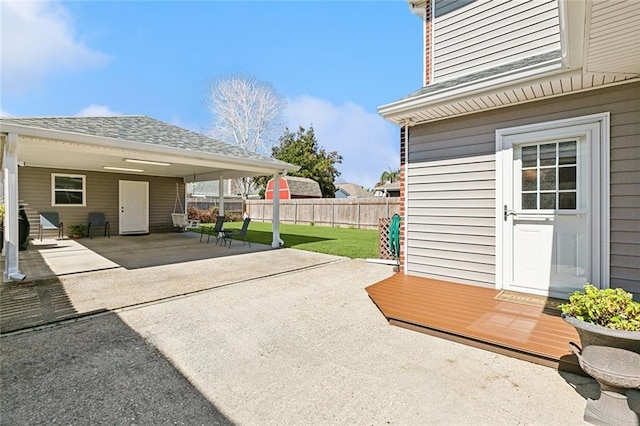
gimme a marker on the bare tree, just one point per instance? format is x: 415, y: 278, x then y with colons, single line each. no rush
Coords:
x: 246, y: 112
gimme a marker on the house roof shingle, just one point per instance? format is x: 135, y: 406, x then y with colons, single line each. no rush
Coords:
x: 141, y: 129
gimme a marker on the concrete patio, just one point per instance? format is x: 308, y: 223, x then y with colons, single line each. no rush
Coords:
x: 168, y: 330
x: 70, y: 278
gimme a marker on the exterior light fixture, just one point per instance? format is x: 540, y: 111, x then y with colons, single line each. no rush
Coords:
x: 151, y: 163
x: 122, y: 169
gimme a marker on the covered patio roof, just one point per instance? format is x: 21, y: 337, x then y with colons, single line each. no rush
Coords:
x: 135, y: 145
x: 132, y: 144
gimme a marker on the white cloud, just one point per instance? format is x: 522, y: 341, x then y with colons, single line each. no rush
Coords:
x: 368, y: 144
x: 94, y: 110
x: 38, y: 38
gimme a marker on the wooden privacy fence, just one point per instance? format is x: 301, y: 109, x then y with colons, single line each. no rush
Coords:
x: 351, y: 212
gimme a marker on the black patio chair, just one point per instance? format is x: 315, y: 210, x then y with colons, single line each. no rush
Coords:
x: 50, y: 220
x: 241, y: 233
x: 98, y: 220
x: 214, y: 230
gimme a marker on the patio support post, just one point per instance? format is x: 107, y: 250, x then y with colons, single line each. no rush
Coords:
x: 221, y: 196
x: 11, y: 233
x: 276, y: 242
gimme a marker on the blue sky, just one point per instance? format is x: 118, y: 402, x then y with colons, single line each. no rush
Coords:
x: 334, y: 62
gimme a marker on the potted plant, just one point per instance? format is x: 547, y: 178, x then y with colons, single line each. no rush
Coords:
x: 604, y: 317
x: 77, y: 230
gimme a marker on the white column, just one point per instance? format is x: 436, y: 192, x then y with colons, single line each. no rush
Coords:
x: 221, y: 196
x: 11, y: 233
x: 276, y: 242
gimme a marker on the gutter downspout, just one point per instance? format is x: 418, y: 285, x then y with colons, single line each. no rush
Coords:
x: 404, y: 242
x: 11, y: 233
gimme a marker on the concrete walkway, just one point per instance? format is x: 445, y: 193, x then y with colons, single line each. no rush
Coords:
x: 272, y: 337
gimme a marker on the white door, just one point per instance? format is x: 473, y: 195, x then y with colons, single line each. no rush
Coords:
x: 549, y: 212
x: 134, y: 207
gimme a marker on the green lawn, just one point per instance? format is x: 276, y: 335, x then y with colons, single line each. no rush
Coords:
x: 353, y: 243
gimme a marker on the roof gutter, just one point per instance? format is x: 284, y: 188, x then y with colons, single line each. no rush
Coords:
x: 474, y: 89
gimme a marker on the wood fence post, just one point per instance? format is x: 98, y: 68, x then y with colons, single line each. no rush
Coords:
x: 333, y: 213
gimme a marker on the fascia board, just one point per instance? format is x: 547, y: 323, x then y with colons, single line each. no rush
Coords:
x: 187, y: 155
x: 475, y: 89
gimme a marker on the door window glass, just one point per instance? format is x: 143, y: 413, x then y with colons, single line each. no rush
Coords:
x: 549, y: 176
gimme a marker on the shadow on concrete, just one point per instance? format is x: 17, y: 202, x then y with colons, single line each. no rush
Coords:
x: 26, y: 305
x: 95, y: 371
x: 143, y: 251
x: 588, y: 388
x: 290, y: 240
x: 51, y: 258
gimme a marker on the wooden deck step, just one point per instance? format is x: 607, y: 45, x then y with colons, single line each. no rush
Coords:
x: 471, y: 315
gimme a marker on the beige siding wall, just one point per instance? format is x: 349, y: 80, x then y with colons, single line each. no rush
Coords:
x: 471, y: 36
x: 101, y: 196
x: 451, y: 186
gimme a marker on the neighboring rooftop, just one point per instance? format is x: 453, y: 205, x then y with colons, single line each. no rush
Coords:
x: 353, y: 190
x: 299, y: 186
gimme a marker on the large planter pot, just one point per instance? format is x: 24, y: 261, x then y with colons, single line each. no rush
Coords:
x: 592, y: 334
x: 612, y: 357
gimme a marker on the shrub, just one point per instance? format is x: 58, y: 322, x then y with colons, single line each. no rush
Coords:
x: 204, y: 216
x: 612, y: 308
x: 233, y: 217
x: 77, y: 229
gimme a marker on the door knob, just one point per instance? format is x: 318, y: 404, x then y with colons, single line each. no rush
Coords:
x: 508, y: 212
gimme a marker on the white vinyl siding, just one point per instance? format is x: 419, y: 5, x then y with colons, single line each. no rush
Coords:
x: 450, y: 221
x: 489, y: 33
x: 614, y: 23
x: 451, y: 187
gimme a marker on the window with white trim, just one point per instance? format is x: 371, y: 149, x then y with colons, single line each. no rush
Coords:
x: 68, y: 190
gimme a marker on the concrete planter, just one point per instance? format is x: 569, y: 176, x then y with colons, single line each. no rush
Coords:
x: 592, y: 334
x: 612, y: 357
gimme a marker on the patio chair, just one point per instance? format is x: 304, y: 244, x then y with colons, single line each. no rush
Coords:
x: 214, y: 230
x: 241, y: 233
x: 98, y: 220
x: 50, y: 220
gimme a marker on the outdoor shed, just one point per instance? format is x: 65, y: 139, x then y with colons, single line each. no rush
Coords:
x: 292, y: 187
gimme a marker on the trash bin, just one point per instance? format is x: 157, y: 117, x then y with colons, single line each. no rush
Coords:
x: 23, y: 229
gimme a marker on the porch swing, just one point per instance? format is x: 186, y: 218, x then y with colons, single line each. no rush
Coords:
x: 181, y: 220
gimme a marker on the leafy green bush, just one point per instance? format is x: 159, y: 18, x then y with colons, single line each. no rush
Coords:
x: 612, y: 308
x: 77, y: 229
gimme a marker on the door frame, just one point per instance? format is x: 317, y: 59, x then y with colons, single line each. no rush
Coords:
x: 596, y: 129
x: 121, y: 183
